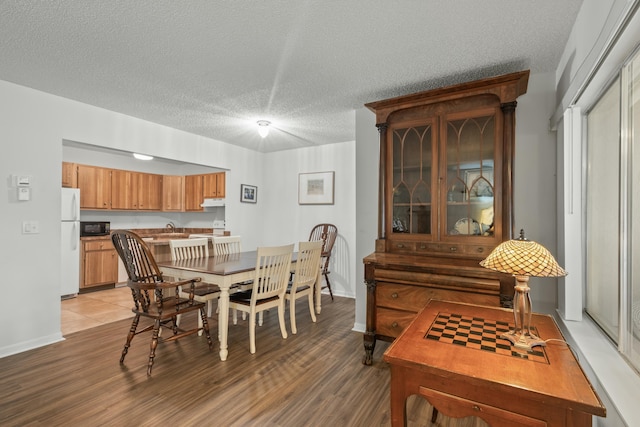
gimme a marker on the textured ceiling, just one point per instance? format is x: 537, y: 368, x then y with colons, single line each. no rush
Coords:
x: 213, y: 68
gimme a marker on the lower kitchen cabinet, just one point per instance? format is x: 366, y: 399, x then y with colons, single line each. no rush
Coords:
x: 99, y: 263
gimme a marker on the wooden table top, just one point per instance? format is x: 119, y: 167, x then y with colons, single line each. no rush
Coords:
x: 221, y: 264
x: 548, y: 374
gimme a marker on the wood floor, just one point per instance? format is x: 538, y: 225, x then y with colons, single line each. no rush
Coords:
x: 314, y: 378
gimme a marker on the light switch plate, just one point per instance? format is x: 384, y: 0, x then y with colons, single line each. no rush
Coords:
x: 30, y: 227
x: 24, y: 193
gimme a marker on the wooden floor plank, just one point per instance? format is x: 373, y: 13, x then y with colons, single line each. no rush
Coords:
x: 314, y: 378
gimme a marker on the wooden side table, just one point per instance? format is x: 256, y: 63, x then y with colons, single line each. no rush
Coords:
x: 453, y: 356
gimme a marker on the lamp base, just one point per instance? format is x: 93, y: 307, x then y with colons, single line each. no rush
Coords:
x: 523, y: 340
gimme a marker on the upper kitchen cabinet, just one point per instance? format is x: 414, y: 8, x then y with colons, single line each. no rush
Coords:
x: 118, y: 189
x: 69, y: 175
x: 172, y: 193
x: 149, y: 191
x: 200, y: 187
x: 213, y: 185
x: 124, y: 190
x: 95, y: 187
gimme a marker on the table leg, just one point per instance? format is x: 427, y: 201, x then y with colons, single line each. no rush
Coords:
x: 398, y: 395
x: 223, y: 321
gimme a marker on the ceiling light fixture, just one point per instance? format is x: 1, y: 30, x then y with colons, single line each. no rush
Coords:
x: 142, y: 156
x: 263, y: 127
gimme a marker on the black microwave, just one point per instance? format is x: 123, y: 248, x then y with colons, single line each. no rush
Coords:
x: 95, y: 228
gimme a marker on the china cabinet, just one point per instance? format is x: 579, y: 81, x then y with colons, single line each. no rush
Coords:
x: 445, y: 200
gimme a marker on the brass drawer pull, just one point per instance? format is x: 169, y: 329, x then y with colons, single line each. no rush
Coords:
x: 400, y: 245
x: 423, y: 246
x: 480, y: 250
x: 476, y: 408
x: 453, y: 249
x: 394, y: 325
x: 394, y: 295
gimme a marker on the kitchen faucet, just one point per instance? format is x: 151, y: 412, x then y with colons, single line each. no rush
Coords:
x: 171, y: 227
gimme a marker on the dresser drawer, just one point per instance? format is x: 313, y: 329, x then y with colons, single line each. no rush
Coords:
x: 492, y: 415
x: 401, y: 246
x: 391, y: 323
x: 403, y: 297
x: 414, y: 298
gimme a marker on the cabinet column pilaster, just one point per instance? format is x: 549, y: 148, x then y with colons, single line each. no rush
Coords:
x: 382, y: 130
x: 508, y: 145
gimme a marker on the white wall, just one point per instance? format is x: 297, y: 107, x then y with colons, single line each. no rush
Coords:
x: 285, y: 221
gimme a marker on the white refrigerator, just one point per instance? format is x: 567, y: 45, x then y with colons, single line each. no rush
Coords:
x: 70, y: 251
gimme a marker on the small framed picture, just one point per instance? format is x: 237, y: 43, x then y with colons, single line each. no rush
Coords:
x: 315, y: 188
x: 248, y: 193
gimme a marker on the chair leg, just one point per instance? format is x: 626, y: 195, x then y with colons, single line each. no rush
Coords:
x: 205, y: 327
x: 252, y: 332
x: 130, y: 335
x: 200, y: 326
x: 311, y: 308
x: 326, y: 277
x: 154, y: 345
x: 292, y: 314
x: 260, y: 318
x: 283, y: 327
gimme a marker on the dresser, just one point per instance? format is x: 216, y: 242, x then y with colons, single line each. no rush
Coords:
x: 445, y: 200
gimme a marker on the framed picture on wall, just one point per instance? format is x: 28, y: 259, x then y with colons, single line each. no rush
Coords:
x: 316, y: 188
x: 248, y: 193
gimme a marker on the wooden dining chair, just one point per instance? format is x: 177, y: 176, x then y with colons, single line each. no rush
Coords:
x: 270, y: 281
x: 191, y: 249
x: 145, y: 279
x: 327, y: 233
x: 305, y: 275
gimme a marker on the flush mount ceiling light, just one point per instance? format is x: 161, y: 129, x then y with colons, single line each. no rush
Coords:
x: 142, y: 156
x: 263, y: 127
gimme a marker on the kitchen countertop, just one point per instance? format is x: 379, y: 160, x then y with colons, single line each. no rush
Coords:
x: 160, y: 236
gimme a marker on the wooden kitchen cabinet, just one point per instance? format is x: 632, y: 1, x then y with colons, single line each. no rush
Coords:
x: 200, y: 187
x: 172, y: 193
x: 99, y: 263
x: 95, y: 187
x: 69, y: 175
x: 193, y: 193
x: 213, y: 185
x: 124, y: 190
x: 445, y: 200
x: 149, y: 191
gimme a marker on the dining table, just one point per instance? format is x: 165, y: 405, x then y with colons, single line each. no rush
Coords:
x: 224, y: 271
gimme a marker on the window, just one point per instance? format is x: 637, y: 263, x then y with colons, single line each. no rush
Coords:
x: 613, y: 211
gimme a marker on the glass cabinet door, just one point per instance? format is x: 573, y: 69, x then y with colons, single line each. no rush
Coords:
x: 412, y: 154
x: 470, y: 179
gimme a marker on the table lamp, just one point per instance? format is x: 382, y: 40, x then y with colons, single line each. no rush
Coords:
x: 523, y: 258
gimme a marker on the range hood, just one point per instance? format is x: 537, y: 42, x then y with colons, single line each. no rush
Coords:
x: 212, y: 203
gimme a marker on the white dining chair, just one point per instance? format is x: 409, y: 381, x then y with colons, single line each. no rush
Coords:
x: 306, y: 273
x: 191, y: 249
x: 270, y: 280
x: 225, y: 245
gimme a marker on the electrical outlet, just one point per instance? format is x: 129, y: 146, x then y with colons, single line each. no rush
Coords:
x: 30, y: 227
